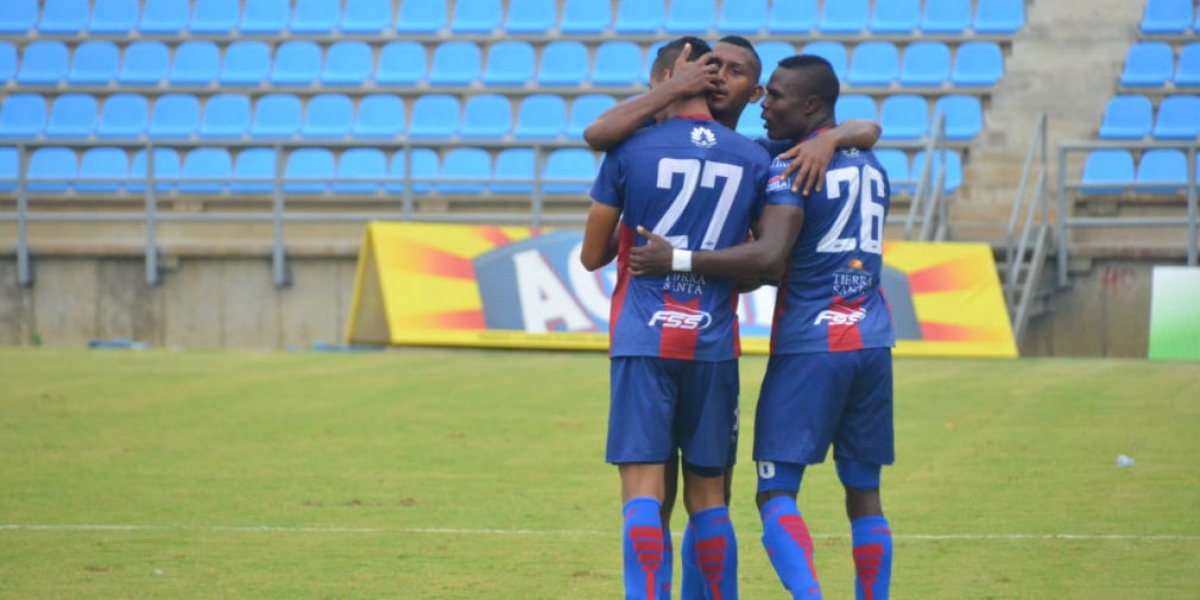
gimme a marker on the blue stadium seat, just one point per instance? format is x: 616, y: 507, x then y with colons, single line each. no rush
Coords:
x: 1188, y: 73
x: 8, y: 62
x: 166, y: 171
x: 246, y: 63
x: 163, y: 16
x: 175, y: 116
x: 855, y: 106
x: 18, y: 16
x: 51, y: 170
x: 206, y: 163
x: 315, y: 16
x: 276, y: 116
x: 328, y: 116
x: 1127, y: 118
x: 946, y: 16
x: 455, y: 63
x: 348, y: 63
x: 72, y: 116
x: 476, y: 16
x: 196, y: 63
x: 978, y: 64
x: 874, y: 63
x: 434, y: 115
x: 617, y: 64
x: 895, y: 16
x: 834, y: 52
x: 64, y: 16
x: 584, y: 110
x: 514, y: 171
x: 743, y: 16
x: 421, y: 16
x: 798, y: 16
x: 1167, y: 16
x: 486, y: 116
x: 361, y: 171
x: 146, y: 63
x: 541, y: 117
x: 999, y: 16
x: 1162, y: 167
x: 225, y: 116
x: 639, y: 16
x: 464, y: 163
x: 904, y: 117
x: 531, y: 16
x: 254, y: 171
x: 309, y: 171
x: 925, y: 64
x: 424, y: 171
x: 563, y: 63
x: 103, y: 171
x: 214, y: 16
x: 1148, y: 64
x: 123, y: 116
x: 751, y: 124
x: 770, y: 53
x: 964, y: 116
x: 1108, y: 166
x: 113, y: 17
x: 569, y: 164
x: 95, y: 63
x: 401, y: 63
x: 296, y: 63
x: 43, y: 63
x: 954, y: 173
x: 509, y: 63
x: 1178, y: 118
x: 844, y: 16
x: 651, y: 54
x: 379, y: 116
x: 895, y: 164
x: 8, y: 169
x: 22, y: 116
x: 585, y: 17
x: 264, y: 16
x: 692, y: 16
x: 367, y: 16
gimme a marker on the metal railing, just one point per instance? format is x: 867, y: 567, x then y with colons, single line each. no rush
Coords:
x: 928, y: 207
x: 1019, y: 294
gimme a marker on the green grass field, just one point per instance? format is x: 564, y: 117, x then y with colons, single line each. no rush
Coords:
x: 459, y: 474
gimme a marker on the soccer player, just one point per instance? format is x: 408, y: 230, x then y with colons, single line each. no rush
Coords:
x: 829, y: 378
x: 674, y: 375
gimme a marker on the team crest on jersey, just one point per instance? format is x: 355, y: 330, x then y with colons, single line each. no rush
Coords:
x: 703, y: 137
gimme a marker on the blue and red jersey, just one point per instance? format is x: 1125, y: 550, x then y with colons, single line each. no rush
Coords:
x: 700, y: 185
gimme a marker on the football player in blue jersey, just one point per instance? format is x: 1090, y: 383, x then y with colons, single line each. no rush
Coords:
x: 829, y: 378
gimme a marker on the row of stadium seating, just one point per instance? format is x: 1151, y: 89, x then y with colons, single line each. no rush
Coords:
x: 1156, y: 167
x: 1132, y: 118
x: 274, y: 17
x: 1153, y: 64
x: 1170, y: 17
x: 485, y: 116
x: 458, y: 63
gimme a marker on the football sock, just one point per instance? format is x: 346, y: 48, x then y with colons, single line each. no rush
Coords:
x: 790, y: 548
x: 872, y: 557
x: 666, y: 570
x: 692, y: 586
x: 643, y: 548
x: 716, y: 552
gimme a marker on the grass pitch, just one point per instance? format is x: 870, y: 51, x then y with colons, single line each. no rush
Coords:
x: 459, y: 474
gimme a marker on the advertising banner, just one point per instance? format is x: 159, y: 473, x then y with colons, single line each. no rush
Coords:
x: 1175, y: 313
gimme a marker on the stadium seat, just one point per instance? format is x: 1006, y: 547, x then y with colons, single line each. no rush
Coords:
x: 455, y: 63
x: 751, y: 124
x: 315, y: 16
x: 51, y: 170
x: 964, y: 116
x: 123, y: 116
x: 296, y: 63
x: 328, y: 116
x: 1178, y: 118
x: 1159, y: 167
x: 651, y: 55
x: 486, y: 116
x: 953, y: 169
x: 999, y: 16
x: 743, y: 17
x: 64, y: 16
x: 1148, y: 64
x: 531, y: 16
x: 308, y: 171
x: 1188, y: 73
x: 874, y: 63
x: 925, y: 64
x: 514, y: 171
x: 434, y: 115
x: 72, y: 116
x: 366, y: 16
x: 565, y: 165
x: 476, y: 16
x: 206, y: 163
x: 946, y: 16
x: 146, y: 63
x: 563, y: 63
x: 639, y: 17
x: 770, y: 53
x: 43, y: 63
x: 22, y: 116
x: 617, y: 64
x: 692, y: 16
x: 225, y: 116
x: 541, y: 117
x: 895, y: 16
x: 347, y: 63
x: 585, y: 17
x: 175, y: 116
x: 798, y: 16
x: 421, y: 16
x: 904, y: 117
x: 95, y: 63
x: 103, y: 171
x: 276, y: 116
x: 844, y: 16
x: 113, y: 17
x: 246, y: 63
x: 401, y: 63
x: 196, y: 63
x: 1108, y: 166
x: 464, y: 163
x: 254, y: 171
x: 424, y: 171
x: 834, y: 52
x: 361, y: 171
x: 584, y: 110
x: 854, y: 106
x: 978, y: 64
x: 214, y: 16
x: 264, y: 16
x: 18, y: 17
x: 1167, y: 16
x: 163, y: 16
x: 1127, y: 118
x: 9, y: 168
x: 379, y: 116
x: 895, y: 164
x: 509, y: 63
x: 166, y: 170
x: 8, y: 62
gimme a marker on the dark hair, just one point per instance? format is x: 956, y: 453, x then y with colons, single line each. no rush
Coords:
x: 742, y: 42
x: 821, y: 78
x: 668, y: 54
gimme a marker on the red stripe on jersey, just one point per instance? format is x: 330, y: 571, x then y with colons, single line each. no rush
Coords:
x: 781, y: 295
x: 679, y: 335
x: 734, y: 298
x: 625, y: 241
x: 841, y: 320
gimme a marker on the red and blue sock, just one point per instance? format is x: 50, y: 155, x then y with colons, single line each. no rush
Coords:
x: 872, y: 557
x: 716, y: 552
x: 643, y: 548
x: 666, y: 571
x: 790, y: 548
x: 692, y: 586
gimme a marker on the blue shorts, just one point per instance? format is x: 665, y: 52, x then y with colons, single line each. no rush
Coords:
x: 660, y: 405
x: 809, y: 401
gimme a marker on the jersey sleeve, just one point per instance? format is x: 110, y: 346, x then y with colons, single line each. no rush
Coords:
x: 609, y: 184
x: 779, y: 188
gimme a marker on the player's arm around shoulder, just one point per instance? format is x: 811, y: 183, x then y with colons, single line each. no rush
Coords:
x: 601, y: 237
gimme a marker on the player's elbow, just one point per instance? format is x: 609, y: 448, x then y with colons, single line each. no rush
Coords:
x: 592, y: 260
x: 595, y: 140
x: 771, y: 265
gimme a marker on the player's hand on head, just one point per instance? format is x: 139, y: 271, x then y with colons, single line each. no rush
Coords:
x: 654, y: 258
x: 693, y: 77
x: 810, y: 159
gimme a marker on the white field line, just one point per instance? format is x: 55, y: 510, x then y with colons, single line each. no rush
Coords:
x: 568, y: 532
